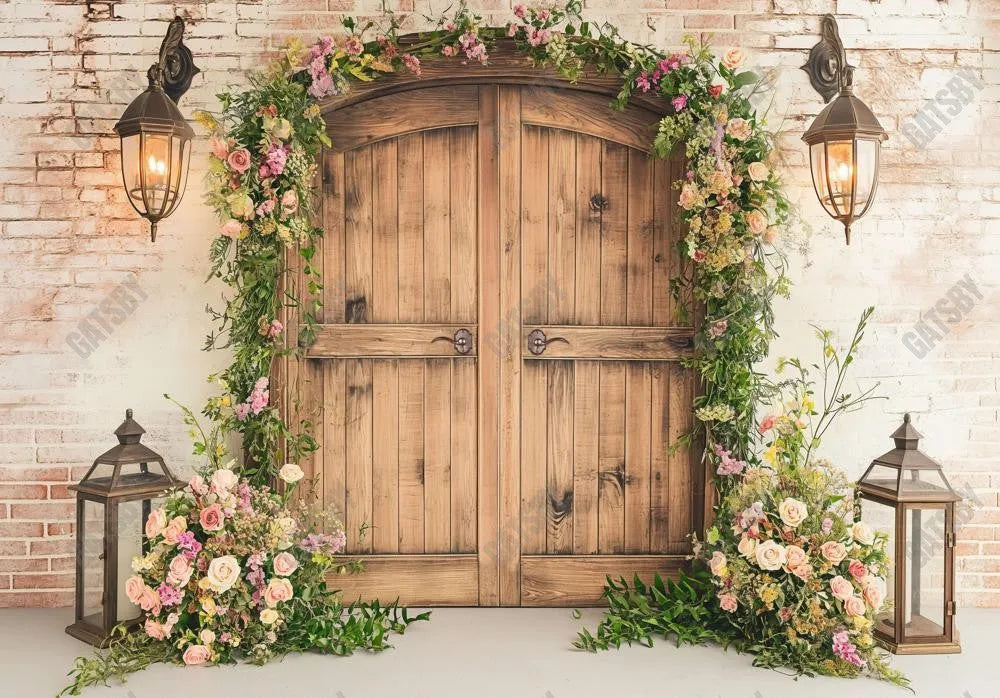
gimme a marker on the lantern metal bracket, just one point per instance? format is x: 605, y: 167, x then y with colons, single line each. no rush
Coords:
x: 175, y: 68
x: 828, y: 70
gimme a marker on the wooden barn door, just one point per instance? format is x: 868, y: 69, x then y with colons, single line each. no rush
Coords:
x: 496, y: 375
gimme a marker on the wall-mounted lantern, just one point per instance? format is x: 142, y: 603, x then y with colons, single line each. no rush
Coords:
x: 845, y: 140
x: 155, y: 137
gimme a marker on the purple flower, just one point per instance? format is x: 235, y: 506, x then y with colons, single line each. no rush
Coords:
x: 276, y: 158
x: 168, y: 595
x: 242, y: 410
x: 845, y: 649
x: 727, y: 464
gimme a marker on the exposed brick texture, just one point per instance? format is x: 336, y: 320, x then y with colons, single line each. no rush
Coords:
x: 68, y: 237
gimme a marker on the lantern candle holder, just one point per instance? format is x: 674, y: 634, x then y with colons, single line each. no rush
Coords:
x: 111, y: 511
x: 906, y: 493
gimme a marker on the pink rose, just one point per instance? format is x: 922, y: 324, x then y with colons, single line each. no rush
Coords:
x: 857, y: 569
x: 179, y: 572
x: 854, y: 606
x: 520, y: 11
x: 289, y: 203
x: 133, y: 589
x: 277, y: 590
x: 155, y: 523
x: 232, y: 228
x: 196, y: 654
x: 211, y: 518
x: 841, y: 588
x: 833, y: 551
x: 155, y: 630
x: 794, y: 556
x: 727, y: 602
x: 220, y: 148
x: 767, y: 424
x: 197, y: 485
x: 149, y: 600
x: 173, y: 529
x: 239, y: 160
x: 284, y: 564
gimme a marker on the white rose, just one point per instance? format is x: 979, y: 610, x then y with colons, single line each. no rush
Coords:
x: 758, y: 171
x: 747, y: 546
x: 223, y: 572
x: 792, y: 511
x: 290, y: 473
x: 268, y: 616
x: 207, y: 637
x: 863, y: 533
x: 770, y: 555
x: 224, y: 480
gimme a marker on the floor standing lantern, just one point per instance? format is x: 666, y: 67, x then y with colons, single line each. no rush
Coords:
x: 906, y: 493
x: 111, y: 510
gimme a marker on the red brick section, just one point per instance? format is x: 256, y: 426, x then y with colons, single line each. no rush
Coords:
x: 68, y: 236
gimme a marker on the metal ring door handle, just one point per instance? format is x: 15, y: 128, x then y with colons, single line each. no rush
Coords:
x: 462, y: 341
x: 537, y: 341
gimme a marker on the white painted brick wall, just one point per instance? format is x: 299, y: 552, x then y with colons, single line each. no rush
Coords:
x: 68, y: 237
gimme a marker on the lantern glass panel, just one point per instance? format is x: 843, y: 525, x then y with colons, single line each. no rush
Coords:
x: 925, y: 578
x: 92, y: 610
x: 130, y: 531
x: 882, y: 518
x: 130, y: 170
x: 865, y: 167
x: 883, y: 477
x: 922, y: 482
x: 832, y: 171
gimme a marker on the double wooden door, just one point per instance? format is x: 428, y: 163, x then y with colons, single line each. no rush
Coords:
x: 496, y: 380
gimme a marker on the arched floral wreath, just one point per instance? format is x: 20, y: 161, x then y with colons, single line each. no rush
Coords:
x: 264, y: 150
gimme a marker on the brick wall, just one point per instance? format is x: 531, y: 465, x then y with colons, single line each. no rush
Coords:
x: 68, y: 239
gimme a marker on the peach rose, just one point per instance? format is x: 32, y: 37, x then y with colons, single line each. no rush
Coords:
x: 792, y: 511
x: 770, y: 555
x: 155, y: 523
x: 771, y: 234
x: 746, y: 546
x: 149, y: 600
x: 197, y: 483
x: 179, y: 571
x: 277, y: 590
x: 738, y: 129
x: 269, y: 616
x: 857, y: 569
x: 289, y: 202
x: 224, y: 480
x: 767, y: 424
x: 834, y: 551
x: 727, y: 602
x: 690, y: 197
x: 794, y: 556
x: 756, y: 221
x: 239, y: 160
x: 155, y: 630
x: 803, y: 572
x: 212, y: 518
x: 758, y: 171
x: 207, y: 636
x: 173, y: 529
x: 133, y: 589
x: 285, y: 564
x: 841, y: 588
x: 223, y: 572
x: 733, y: 58
x: 854, y: 606
x: 196, y: 654
x: 718, y: 564
x: 874, y: 592
x: 220, y: 148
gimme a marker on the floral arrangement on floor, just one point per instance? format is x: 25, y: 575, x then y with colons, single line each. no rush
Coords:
x: 266, y: 139
x: 233, y: 572
x: 792, y: 575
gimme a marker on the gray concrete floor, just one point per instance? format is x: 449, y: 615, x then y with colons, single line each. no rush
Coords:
x: 508, y: 653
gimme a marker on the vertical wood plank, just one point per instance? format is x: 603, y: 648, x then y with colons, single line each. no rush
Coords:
x: 611, y: 459
x: 586, y: 392
x: 534, y: 454
x: 463, y: 456
x: 437, y: 308
x: 681, y: 461
x: 614, y: 233
x: 562, y: 226
x: 358, y: 235
x: 334, y: 254
x: 559, y: 482
x: 359, y: 454
x: 637, y: 455
x: 385, y: 386
x: 639, y: 283
x: 410, y: 378
x: 510, y: 346
x: 677, y: 231
x: 664, y: 250
x: 335, y: 438
x: 488, y: 361
x: 659, y: 460
x: 411, y: 456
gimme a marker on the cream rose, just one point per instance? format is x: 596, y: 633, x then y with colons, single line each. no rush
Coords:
x: 196, y: 654
x: 794, y: 557
x: 269, y: 616
x: 155, y: 523
x: 834, y: 551
x: 290, y: 473
x: 863, y: 533
x: 690, y: 197
x: 207, y: 636
x: 854, y: 606
x: 874, y: 591
x: 841, y: 588
x: 197, y: 482
x: 224, y: 480
x: 223, y: 572
x: 179, y: 571
x: 727, y: 602
x: 758, y: 171
x: 733, y: 58
x: 175, y: 528
x: 792, y: 511
x: 770, y: 555
x: 756, y: 221
x: 133, y: 589
x: 803, y: 572
x: 739, y: 129
x: 277, y: 590
x: 285, y: 564
x: 718, y: 564
x: 746, y: 547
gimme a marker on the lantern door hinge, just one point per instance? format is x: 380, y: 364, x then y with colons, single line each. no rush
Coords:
x: 950, y: 608
x: 950, y: 539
